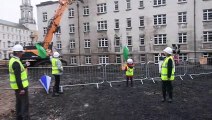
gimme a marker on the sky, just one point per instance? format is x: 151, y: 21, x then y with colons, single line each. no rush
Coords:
x: 10, y: 9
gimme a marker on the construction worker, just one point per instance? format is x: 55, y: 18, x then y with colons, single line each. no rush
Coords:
x: 167, y: 74
x: 129, y: 71
x: 19, y: 82
x: 57, y: 70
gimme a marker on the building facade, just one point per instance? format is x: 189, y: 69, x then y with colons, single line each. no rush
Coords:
x: 94, y: 31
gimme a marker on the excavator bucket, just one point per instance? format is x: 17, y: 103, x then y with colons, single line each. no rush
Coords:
x: 41, y: 51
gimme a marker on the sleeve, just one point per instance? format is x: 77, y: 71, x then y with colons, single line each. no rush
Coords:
x: 169, y: 67
x: 17, y: 71
x: 59, y: 65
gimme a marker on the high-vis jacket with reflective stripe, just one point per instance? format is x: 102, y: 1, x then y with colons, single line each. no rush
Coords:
x: 129, y: 71
x: 55, y: 69
x: 24, y: 78
x: 164, y: 69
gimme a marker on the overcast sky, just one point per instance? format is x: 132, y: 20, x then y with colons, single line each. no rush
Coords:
x: 10, y: 9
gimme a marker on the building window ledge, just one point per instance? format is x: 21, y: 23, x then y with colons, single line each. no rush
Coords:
x: 70, y: 16
x: 182, y: 23
x: 207, y: 21
x: 128, y: 27
x: 101, y: 13
x: 116, y: 11
x: 141, y: 27
x: 141, y: 7
x: 182, y: 2
x: 85, y: 15
x: 128, y: 9
x: 159, y: 5
x: 116, y: 28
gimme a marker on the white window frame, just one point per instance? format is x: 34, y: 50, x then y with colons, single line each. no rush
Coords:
x: 72, y: 28
x: 142, y: 58
x: 72, y: 44
x: 207, y: 15
x: 59, y: 45
x: 87, y: 59
x: 182, y: 1
x: 117, y: 41
x: 129, y: 41
x: 128, y: 2
x: 102, y: 42
x: 87, y: 43
x: 86, y: 11
x: 58, y: 32
x: 118, y: 58
x: 182, y: 17
x: 73, y: 60
x: 142, y: 40
x: 141, y: 4
x: 103, y: 59
x: 102, y: 25
x: 44, y: 30
x: 141, y: 21
x: 207, y: 36
x: 87, y: 27
x: 160, y: 19
x: 183, y: 57
x: 159, y: 2
x: 117, y: 25
x: 45, y: 17
x: 71, y: 13
x: 182, y: 37
x: 101, y: 8
x: 129, y: 23
x: 116, y: 5
x: 156, y: 57
x: 160, y: 39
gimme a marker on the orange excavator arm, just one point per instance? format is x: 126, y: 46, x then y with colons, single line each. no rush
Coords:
x: 55, y: 21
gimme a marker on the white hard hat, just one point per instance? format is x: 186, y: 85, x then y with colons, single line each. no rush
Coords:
x: 168, y: 50
x: 129, y: 61
x: 56, y: 54
x: 17, y: 48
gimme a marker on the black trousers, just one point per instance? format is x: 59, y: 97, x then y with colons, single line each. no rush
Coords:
x: 129, y: 78
x: 56, y: 83
x: 167, y: 88
x: 22, y: 105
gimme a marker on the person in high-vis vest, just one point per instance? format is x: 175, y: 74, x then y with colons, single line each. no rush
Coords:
x: 129, y: 71
x: 167, y: 74
x: 19, y: 83
x: 57, y: 70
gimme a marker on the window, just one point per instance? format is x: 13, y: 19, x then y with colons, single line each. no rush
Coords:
x: 59, y: 45
x: 116, y: 23
x: 117, y: 41
x: 128, y: 5
x: 160, y: 19
x: 182, y: 1
x: 102, y: 25
x: 141, y: 40
x: 182, y: 37
x: 87, y: 59
x: 207, y: 15
x: 116, y: 5
x: 58, y: 31
x: 101, y: 8
x: 72, y: 28
x: 141, y: 4
x: 44, y: 30
x: 156, y: 57
x: 160, y: 39
x: 141, y: 20
x: 86, y: 27
x: 86, y: 10
x: 118, y: 59
x: 129, y: 25
x: 182, y: 17
x: 87, y: 43
x: 44, y: 17
x: 129, y: 40
x: 72, y: 44
x: 73, y: 60
x: 103, y: 59
x: 71, y: 12
x: 183, y: 57
x: 159, y: 2
x: 143, y: 58
x: 103, y: 42
x: 207, y: 36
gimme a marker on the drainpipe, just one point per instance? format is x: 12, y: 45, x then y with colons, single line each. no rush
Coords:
x: 78, y: 31
x: 195, y: 52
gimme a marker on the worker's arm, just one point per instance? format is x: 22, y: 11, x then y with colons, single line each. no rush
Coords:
x: 59, y: 65
x: 169, y: 67
x: 17, y: 72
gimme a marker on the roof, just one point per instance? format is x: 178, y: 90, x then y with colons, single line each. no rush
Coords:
x: 12, y: 24
x: 46, y: 3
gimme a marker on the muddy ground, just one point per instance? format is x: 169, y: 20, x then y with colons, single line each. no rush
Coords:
x: 192, y: 101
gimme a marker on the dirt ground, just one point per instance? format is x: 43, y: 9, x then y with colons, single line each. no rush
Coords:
x: 192, y: 101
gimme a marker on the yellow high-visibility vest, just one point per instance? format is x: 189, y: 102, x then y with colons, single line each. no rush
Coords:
x: 24, y: 79
x: 55, y: 69
x: 164, y: 69
x: 130, y: 71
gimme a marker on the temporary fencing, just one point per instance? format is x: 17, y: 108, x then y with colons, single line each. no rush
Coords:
x: 110, y: 73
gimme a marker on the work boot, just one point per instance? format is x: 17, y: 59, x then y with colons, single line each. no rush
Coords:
x: 163, y: 100
x: 169, y: 100
x: 55, y: 94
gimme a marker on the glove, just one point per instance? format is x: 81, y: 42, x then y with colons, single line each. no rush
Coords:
x: 27, y: 63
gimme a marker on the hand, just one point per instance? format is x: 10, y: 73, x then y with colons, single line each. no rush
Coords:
x: 22, y: 92
x: 27, y: 63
